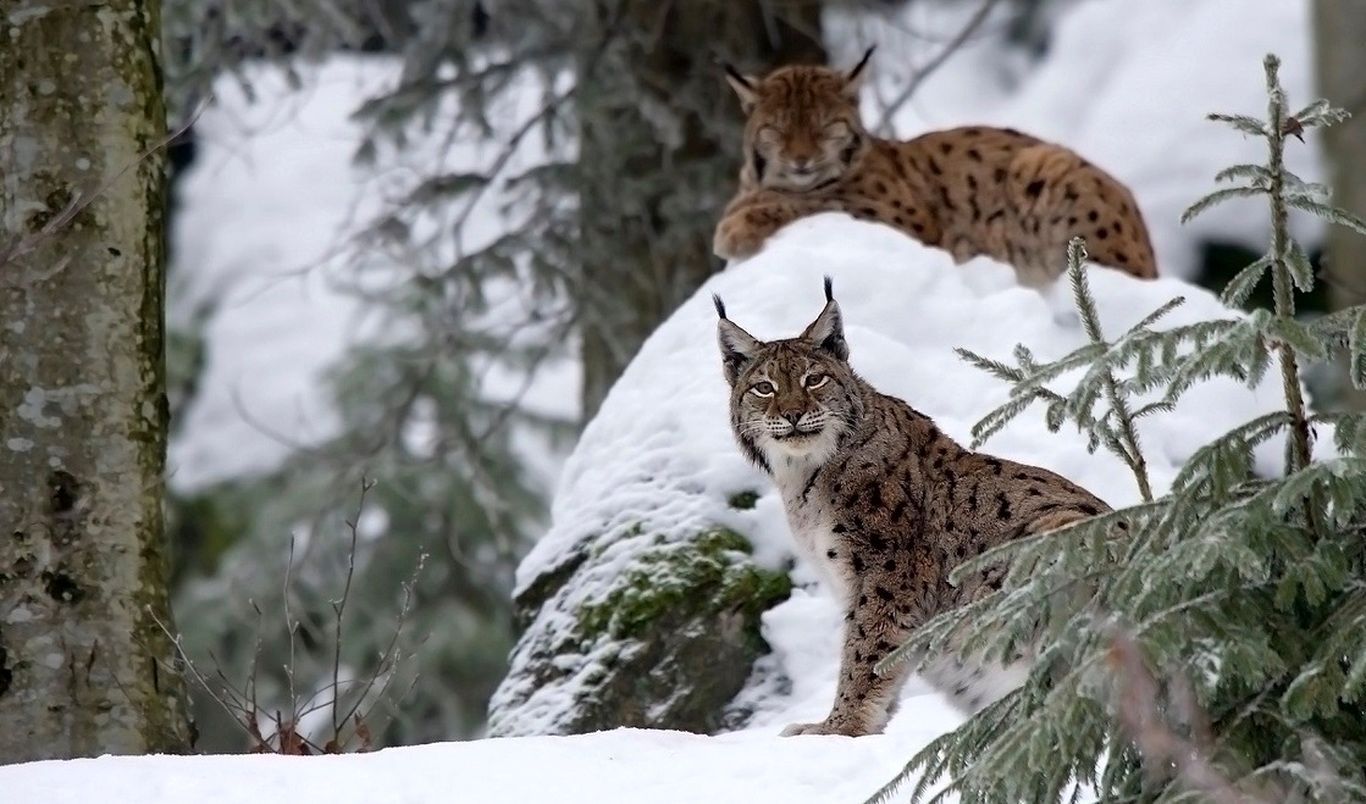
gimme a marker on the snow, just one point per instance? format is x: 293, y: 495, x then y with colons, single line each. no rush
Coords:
x: 657, y: 767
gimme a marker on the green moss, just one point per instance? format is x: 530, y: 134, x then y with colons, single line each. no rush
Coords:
x: 681, y: 580
x: 743, y: 500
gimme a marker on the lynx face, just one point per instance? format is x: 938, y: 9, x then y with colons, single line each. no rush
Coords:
x: 790, y: 398
x: 804, y: 130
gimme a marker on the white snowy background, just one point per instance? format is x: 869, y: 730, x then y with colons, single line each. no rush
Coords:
x: 274, y: 192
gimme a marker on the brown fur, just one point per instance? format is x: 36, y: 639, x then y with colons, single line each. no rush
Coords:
x: 972, y: 191
x: 885, y: 504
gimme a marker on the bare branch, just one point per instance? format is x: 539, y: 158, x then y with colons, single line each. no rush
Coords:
x: 984, y: 11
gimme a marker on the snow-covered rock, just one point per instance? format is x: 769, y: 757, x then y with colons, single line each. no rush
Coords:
x: 658, y: 466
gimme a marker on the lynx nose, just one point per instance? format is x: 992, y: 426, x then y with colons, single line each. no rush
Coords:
x: 793, y: 416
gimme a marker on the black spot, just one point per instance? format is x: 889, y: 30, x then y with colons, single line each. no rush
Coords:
x: 113, y: 252
x: 1000, y: 213
x: 1070, y: 194
x: 889, y: 565
x: 1033, y: 492
x: 877, y: 542
x: 862, y: 600
x: 1121, y: 258
x: 946, y: 148
x: 918, y: 227
x: 831, y: 554
x: 838, y: 528
x: 1119, y: 227
x: 1000, y: 174
x: 898, y: 511
x: 881, y: 188
x: 1088, y: 509
x: 896, y: 203
x: 857, y: 563
x: 972, y: 182
x: 1071, y: 220
x: 934, y: 167
x: 1034, y: 188
x: 6, y: 675
x: 994, y: 465
x: 883, y: 593
x: 1012, y: 132
x: 1102, y: 233
x: 1002, y: 506
x: 868, y: 211
x: 972, y: 500
x: 62, y: 588
x: 759, y: 164
x: 1093, y: 216
x: 65, y: 490
x: 974, y: 154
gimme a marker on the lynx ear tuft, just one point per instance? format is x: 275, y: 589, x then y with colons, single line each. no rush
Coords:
x: 737, y: 346
x: 745, y: 86
x: 829, y: 290
x: 827, y: 331
x: 720, y: 305
x: 854, y: 78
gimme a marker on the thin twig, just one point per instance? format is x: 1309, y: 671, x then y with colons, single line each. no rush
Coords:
x: 983, y: 11
x: 339, y: 606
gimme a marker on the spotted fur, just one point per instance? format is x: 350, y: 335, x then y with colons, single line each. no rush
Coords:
x: 975, y: 190
x: 884, y: 504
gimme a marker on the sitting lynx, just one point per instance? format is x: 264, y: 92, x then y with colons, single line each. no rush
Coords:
x: 971, y: 191
x: 884, y: 504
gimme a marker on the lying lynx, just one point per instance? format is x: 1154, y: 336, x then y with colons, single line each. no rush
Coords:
x: 971, y: 191
x: 884, y: 504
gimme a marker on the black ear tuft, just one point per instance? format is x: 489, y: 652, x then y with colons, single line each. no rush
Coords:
x: 720, y: 305
x: 736, y: 76
x: 863, y: 62
x: 829, y: 290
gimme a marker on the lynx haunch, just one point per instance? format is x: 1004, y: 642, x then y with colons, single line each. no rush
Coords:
x: 972, y: 191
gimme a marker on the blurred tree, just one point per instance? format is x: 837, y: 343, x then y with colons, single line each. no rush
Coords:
x: 84, y: 667
x: 1340, y: 30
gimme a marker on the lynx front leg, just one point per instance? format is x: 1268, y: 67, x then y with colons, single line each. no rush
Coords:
x: 751, y: 218
x: 863, y: 698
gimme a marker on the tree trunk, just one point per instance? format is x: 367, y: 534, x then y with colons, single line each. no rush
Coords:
x: 1340, y: 31
x: 659, y: 155
x: 84, y: 668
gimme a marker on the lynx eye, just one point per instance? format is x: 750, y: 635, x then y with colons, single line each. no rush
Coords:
x: 768, y: 135
x: 762, y: 389
x: 837, y: 131
x: 814, y: 381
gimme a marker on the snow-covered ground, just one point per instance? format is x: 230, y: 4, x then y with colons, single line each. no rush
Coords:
x: 646, y: 767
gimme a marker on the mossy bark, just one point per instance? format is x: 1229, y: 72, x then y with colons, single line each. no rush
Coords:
x: 84, y: 667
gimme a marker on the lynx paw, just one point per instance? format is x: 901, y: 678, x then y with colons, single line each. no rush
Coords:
x: 823, y: 727
x: 736, y: 240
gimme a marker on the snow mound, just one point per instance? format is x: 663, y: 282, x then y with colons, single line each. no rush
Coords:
x: 659, y: 460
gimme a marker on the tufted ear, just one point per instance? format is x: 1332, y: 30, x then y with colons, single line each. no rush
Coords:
x: 737, y: 346
x: 745, y: 86
x: 853, y: 79
x: 827, y: 331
